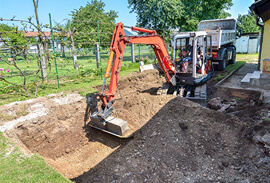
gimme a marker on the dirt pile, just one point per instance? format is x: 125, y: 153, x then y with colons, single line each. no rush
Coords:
x: 185, y: 142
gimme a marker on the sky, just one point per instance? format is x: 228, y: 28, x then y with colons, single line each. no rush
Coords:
x: 61, y: 9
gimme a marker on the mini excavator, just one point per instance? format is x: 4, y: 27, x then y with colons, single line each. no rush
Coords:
x: 185, y: 75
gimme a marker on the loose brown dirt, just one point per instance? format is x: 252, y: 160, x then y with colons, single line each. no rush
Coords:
x: 176, y: 140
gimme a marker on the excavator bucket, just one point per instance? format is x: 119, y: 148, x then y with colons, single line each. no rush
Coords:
x: 111, y: 125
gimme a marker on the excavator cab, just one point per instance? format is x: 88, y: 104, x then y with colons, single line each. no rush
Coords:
x: 192, y: 59
x: 192, y: 50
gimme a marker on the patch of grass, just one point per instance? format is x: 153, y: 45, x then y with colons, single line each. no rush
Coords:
x: 241, y: 59
x: 17, y: 167
x: 230, y: 68
x: 249, y: 58
x: 238, y: 99
x: 267, y: 120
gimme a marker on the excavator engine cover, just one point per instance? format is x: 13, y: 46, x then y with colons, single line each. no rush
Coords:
x: 111, y: 125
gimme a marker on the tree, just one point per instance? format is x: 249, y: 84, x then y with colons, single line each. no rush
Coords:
x: 182, y: 14
x: 247, y: 23
x: 85, y: 21
x: 15, y: 41
x: 13, y: 36
x: 198, y: 10
x: 157, y: 14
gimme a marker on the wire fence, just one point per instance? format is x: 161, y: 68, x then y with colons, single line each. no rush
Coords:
x: 86, y: 61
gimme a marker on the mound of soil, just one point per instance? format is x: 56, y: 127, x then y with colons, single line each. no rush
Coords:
x: 184, y: 142
x: 175, y: 140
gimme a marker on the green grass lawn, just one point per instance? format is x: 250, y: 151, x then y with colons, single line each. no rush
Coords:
x: 17, y: 167
x: 249, y: 58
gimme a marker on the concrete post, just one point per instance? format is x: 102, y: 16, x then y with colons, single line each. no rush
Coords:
x: 132, y: 53
x: 75, y: 64
x: 97, y: 54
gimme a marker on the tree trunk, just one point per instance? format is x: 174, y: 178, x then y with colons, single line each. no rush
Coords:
x: 43, y: 61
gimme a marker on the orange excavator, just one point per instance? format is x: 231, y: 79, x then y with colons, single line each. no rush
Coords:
x: 177, y: 81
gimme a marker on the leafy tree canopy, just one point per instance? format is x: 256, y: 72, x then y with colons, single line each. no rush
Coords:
x: 182, y: 14
x: 247, y: 23
x: 13, y: 36
x: 85, y: 21
x: 157, y: 14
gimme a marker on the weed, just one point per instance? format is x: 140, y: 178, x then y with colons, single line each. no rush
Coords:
x: 238, y: 99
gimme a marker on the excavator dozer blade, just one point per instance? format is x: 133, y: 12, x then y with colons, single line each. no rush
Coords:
x: 112, y: 125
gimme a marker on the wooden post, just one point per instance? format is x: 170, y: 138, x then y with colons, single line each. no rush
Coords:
x: 75, y: 64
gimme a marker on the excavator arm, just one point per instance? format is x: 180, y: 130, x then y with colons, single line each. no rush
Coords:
x: 119, y: 41
x: 103, y: 120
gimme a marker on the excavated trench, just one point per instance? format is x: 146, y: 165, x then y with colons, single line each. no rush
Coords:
x: 175, y: 140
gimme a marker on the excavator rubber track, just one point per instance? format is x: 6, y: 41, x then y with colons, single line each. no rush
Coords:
x: 200, y: 93
x: 164, y: 89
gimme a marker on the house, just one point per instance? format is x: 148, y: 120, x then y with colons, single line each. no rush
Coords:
x: 261, y: 8
x: 45, y: 34
x: 260, y: 79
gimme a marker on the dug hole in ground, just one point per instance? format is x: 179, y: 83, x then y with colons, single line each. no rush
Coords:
x: 175, y: 140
